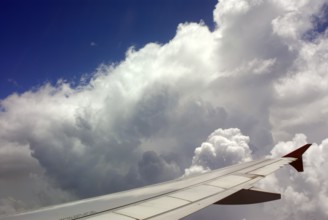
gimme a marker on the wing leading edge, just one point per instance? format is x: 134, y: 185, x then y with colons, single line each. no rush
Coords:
x: 254, y: 195
x: 178, y: 198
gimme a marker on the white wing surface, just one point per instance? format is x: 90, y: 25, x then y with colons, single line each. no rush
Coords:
x: 175, y: 199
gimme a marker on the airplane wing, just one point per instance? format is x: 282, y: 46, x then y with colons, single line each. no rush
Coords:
x: 178, y: 198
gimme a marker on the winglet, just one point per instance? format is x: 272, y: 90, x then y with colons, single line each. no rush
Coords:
x: 298, y: 164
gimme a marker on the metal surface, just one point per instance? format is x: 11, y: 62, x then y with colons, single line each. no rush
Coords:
x: 196, y: 193
x: 266, y: 170
x: 170, y: 200
x: 107, y: 216
x: 229, y: 181
x: 152, y: 207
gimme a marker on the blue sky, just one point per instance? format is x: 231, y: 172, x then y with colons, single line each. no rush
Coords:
x: 43, y: 41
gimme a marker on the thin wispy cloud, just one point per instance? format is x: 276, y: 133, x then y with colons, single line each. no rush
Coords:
x: 13, y: 82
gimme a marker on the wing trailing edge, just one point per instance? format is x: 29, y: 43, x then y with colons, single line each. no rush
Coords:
x: 249, y: 196
x: 298, y: 163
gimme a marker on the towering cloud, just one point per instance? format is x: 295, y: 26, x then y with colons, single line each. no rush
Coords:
x: 222, y: 148
x: 262, y: 71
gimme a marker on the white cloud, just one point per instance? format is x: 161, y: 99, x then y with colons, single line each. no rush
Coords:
x: 304, y: 195
x: 222, y: 148
x: 256, y: 72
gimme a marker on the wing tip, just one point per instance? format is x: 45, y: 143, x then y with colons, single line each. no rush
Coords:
x: 298, y: 152
x: 298, y: 163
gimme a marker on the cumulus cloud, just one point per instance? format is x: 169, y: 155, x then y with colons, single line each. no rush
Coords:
x: 304, y: 195
x: 138, y: 121
x: 222, y: 148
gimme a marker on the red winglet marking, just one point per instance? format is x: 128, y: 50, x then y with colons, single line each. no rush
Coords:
x: 298, y: 164
x: 298, y: 152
